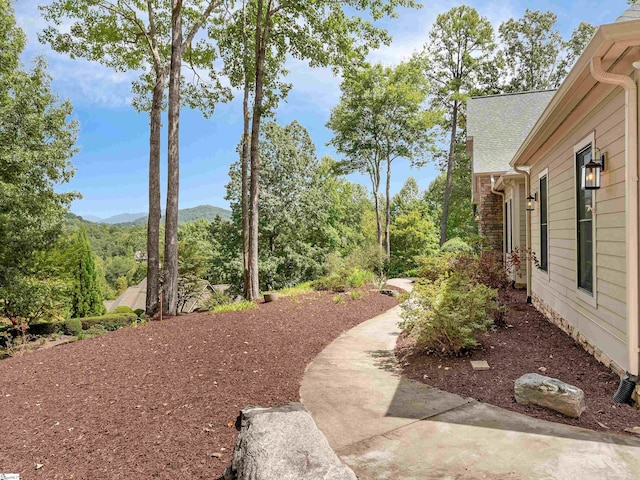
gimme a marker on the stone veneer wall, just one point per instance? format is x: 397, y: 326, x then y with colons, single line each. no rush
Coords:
x: 490, y: 211
x: 555, y: 318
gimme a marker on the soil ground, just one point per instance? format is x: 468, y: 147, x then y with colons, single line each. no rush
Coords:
x: 530, y: 344
x: 160, y: 400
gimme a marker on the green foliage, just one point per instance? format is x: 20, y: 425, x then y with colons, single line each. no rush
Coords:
x: 456, y: 246
x: 121, y: 309
x: 44, y: 328
x: 233, y: 307
x: 139, y: 312
x: 536, y: 56
x: 357, y: 278
x: 334, y: 283
x: 110, y: 321
x: 434, y: 267
x: 36, y: 142
x: 355, y: 294
x: 488, y: 268
x: 92, y: 331
x: 447, y: 316
x: 73, y: 326
x: 460, y: 222
x: 339, y: 298
x: 86, y: 295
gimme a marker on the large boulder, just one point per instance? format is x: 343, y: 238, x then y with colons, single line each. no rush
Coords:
x: 283, y: 443
x: 550, y: 393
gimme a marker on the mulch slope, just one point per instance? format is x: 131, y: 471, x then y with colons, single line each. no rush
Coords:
x: 530, y: 344
x: 157, y: 401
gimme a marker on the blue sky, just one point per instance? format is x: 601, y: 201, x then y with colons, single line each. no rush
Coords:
x: 113, y: 159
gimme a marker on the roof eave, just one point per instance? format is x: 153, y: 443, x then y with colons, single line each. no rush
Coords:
x: 604, y: 38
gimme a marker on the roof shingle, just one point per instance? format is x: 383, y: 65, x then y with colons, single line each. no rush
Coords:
x: 499, y: 124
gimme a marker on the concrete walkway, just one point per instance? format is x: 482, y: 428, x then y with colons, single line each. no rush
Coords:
x: 388, y: 427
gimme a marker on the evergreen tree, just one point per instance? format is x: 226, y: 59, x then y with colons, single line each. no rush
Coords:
x: 86, y: 296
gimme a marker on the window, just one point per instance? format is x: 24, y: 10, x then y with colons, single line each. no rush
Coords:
x: 544, y: 225
x: 584, y: 216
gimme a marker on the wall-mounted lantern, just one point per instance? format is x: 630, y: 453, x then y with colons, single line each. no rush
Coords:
x: 476, y: 215
x: 530, y: 202
x: 592, y: 171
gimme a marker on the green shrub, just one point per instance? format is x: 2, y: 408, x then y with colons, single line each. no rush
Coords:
x: 357, y: 277
x: 355, y: 294
x: 333, y: 283
x: 72, y: 326
x: 139, y: 312
x: 44, y: 328
x: 338, y: 298
x: 217, y: 298
x: 93, y: 331
x: 120, y: 309
x: 446, y: 316
x: 110, y: 321
x: 434, y: 267
x: 456, y: 245
x: 233, y: 307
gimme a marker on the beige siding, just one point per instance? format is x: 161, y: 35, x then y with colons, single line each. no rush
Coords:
x: 603, y: 323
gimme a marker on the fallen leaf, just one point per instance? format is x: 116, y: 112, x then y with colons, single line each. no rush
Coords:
x: 543, y: 369
x: 230, y: 424
x: 39, y: 466
x: 635, y: 430
x: 602, y: 425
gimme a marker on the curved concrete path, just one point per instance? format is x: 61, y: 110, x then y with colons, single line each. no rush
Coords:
x: 386, y: 427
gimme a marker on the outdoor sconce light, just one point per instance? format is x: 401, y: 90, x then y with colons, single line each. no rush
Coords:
x: 476, y: 215
x: 530, y: 200
x: 592, y: 171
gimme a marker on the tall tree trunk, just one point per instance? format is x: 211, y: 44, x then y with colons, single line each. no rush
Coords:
x: 245, y: 160
x: 375, y: 187
x: 171, y: 220
x: 155, y: 211
x: 261, y: 43
x: 450, y: 162
x: 387, y: 240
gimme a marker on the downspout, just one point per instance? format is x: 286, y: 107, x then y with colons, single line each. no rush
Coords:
x: 527, y: 189
x: 501, y: 194
x: 628, y: 383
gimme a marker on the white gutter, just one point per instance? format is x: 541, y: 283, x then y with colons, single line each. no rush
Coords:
x: 527, y: 189
x: 631, y: 202
x: 494, y: 191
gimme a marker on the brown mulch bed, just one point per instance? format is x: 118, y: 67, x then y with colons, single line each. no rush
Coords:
x: 531, y: 344
x: 159, y: 401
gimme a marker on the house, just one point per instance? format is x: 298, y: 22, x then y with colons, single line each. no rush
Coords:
x: 556, y: 173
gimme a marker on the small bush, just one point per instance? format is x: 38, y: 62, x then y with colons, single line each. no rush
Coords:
x: 120, y: 309
x: 299, y: 289
x: 217, y: 298
x: 72, y: 326
x: 139, y: 312
x: 433, y: 268
x: 44, y: 328
x: 379, y: 281
x: 456, y: 246
x: 93, y: 331
x: 447, y: 316
x: 333, y: 283
x: 338, y: 298
x: 233, y: 307
x: 356, y: 277
x: 487, y: 269
x: 355, y: 294
x: 110, y: 321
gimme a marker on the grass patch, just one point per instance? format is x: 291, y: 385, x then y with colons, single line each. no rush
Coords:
x: 300, y: 289
x: 233, y: 307
x: 355, y: 294
x: 338, y: 298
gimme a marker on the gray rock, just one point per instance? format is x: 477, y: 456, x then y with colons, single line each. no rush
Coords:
x: 550, y: 393
x: 284, y: 443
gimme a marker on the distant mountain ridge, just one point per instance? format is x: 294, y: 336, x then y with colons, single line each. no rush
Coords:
x: 185, y: 215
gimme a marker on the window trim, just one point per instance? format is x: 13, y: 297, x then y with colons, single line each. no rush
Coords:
x: 581, y: 294
x: 546, y: 273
